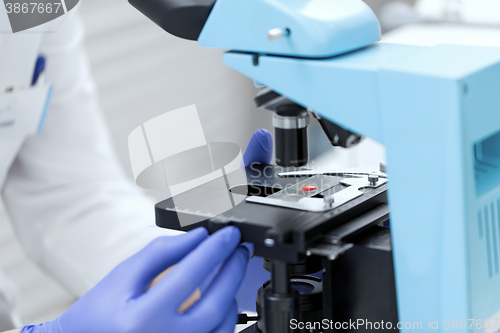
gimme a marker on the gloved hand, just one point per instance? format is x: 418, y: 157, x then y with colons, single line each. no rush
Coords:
x: 260, y: 148
x: 122, y: 302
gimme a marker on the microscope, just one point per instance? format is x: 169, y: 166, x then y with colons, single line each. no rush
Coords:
x: 436, y: 265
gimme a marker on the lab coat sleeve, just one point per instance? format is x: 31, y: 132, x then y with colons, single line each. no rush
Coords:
x: 72, y: 207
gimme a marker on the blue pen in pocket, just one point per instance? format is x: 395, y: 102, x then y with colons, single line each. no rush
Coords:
x: 39, y: 68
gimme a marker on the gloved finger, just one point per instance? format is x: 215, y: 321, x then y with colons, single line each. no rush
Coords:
x: 260, y: 148
x: 190, y: 272
x: 250, y: 247
x: 136, y: 273
x: 209, y: 279
x: 222, y: 291
x: 230, y: 320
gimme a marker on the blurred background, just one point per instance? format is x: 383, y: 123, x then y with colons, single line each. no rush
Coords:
x: 142, y: 72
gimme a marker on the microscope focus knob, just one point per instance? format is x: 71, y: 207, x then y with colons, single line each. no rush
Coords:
x: 277, y: 33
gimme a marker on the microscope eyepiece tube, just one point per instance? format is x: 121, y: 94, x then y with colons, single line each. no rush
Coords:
x: 290, y: 128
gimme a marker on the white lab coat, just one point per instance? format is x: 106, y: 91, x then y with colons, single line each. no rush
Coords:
x: 72, y: 208
x: 461, y: 22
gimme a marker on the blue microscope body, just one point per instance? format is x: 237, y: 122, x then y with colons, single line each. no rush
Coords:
x: 436, y: 110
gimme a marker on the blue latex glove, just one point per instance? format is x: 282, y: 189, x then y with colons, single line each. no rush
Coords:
x: 122, y: 303
x: 260, y: 148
